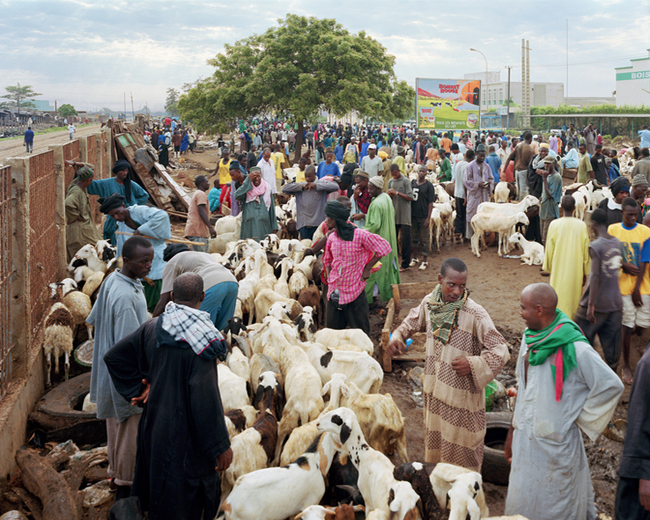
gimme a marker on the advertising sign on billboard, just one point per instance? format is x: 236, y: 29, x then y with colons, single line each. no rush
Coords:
x: 447, y: 104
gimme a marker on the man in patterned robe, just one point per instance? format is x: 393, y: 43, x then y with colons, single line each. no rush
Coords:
x: 464, y: 353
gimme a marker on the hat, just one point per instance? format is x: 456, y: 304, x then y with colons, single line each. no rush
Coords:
x: 543, y: 145
x: 255, y: 169
x: 378, y: 181
x: 84, y: 173
x: 639, y: 179
x: 549, y: 159
x: 480, y: 148
x: 360, y: 173
x: 372, y: 146
x: 121, y: 165
x: 234, y: 165
x: 400, y: 149
x: 620, y: 184
x: 116, y: 200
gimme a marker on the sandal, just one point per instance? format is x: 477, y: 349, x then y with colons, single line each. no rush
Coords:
x: 413, y: 262
x: 402, y: 269
x: 423, y: 266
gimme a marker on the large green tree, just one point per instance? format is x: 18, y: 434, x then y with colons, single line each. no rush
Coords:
x: 20, y: 97
x: 67, y: 110
x: 294, y: 70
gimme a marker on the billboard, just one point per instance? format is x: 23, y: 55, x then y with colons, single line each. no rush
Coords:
x: 447, y: 104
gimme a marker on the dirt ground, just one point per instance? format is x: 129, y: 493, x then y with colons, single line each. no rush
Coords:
x: 16, y: 148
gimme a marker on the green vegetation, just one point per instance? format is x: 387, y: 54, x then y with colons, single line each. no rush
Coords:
x: 20, y: 97
x: 294, y: 70
x: 171, y: 104
x: 67, y: 110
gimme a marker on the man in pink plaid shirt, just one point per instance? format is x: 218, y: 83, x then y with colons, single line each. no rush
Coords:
x: 350, y: 254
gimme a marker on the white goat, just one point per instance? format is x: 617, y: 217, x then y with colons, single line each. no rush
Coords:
x: 533, y: 251
x: 331, y: 338
x: 468, y: 495
x: 497, y: 223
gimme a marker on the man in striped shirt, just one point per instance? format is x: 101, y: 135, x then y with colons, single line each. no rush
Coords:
x: 350, y: 254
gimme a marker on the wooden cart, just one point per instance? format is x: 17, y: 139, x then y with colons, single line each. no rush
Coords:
x: 404, y: 291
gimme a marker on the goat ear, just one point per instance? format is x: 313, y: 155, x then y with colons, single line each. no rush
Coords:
x: 345, y: 433
x: 420, y: 508
x: 394, y: 506
x: 336, y: 419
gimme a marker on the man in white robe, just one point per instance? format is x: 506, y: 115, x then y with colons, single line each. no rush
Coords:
x: 570, y: 389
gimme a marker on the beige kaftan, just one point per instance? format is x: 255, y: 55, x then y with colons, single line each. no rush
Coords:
x: 454, y: 406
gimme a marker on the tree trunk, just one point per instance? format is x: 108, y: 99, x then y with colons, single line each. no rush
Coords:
x: 298, y: 151
x: 43, y: 481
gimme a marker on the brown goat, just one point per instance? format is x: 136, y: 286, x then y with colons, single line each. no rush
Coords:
x: 311, y: 297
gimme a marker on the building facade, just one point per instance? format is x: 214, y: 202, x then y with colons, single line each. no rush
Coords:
x: 495, y: 93
x: 633, y: 83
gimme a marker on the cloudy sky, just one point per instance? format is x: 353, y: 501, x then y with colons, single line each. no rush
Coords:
x: 90, y: 52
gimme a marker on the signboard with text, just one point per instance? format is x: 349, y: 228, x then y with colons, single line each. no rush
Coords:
x: 447, y: 104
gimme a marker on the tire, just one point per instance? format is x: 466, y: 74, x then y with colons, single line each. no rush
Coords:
x: 495, y: 467
x: 58, y: 414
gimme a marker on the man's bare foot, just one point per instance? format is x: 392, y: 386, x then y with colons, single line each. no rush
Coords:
x: 626, y: 376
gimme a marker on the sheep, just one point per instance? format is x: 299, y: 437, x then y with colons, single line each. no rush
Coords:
x: 78, y: 303
x: 442, y: 480
x: 259, y: 364
x: 342, y: 512
x: 442, y: 194
x: 331, y: 338
x: 501, y: 193
x: 508, y: 208
x: 533, y: 252
x: 304, y: 324
x: 497, y: 223
x: 232, y: 388
x: 219, y: 244
x: 446, y: 211
x: 297, y: 283
x: 282, y: 492
x: 380, y: 419
x: 418, y: 475
x: 306, y: 266
x: 310, y: 297
x: 302, y: 389
x: 266, y: 297
x: 239, y: 419
x: 359, y: 367
x: 59, y: 327
x: 246, y: 292
x: 281, y: 286
x: 379, y: 488
x: 435, y: 222
x: 227, y: 224
x: 580, y: 204
x: 239, y: 364
x: 252, y: 450
x: 269, y: 394
x: 304, y: 435
x: 91, y: 257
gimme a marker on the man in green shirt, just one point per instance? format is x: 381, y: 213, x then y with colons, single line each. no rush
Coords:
x: 585, y: 170
x: 445, y: 168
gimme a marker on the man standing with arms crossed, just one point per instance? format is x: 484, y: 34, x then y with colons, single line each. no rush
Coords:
x: 119, y: 310
x: 521, y: 155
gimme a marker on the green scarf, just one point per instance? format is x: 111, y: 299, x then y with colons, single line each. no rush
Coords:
x: 444, y: 316
x: 559, y: 337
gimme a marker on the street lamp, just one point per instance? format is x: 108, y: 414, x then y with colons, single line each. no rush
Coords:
x: 486, y: 82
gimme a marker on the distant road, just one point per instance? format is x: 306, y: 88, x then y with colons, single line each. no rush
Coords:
x: 16, y: 148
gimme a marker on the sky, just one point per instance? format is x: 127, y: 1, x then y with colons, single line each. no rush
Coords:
x: 89, y: 53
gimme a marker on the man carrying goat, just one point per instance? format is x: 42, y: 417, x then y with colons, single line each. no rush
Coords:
x: 464, y: 353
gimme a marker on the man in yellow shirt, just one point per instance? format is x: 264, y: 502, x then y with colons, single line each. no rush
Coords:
x: 223, y: 167
x: 634, y: 279
x: 280, y: 161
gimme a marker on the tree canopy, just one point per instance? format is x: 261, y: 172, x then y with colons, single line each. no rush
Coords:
x: 20, y: 97
x: 294, y: 70
x: 67, y: 110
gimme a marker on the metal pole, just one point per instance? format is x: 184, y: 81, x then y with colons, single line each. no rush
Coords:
x: 486, y: 83
x: 508, y: 114
x: 567, y: 57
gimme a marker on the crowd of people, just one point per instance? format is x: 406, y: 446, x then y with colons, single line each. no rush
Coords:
x: 352, y: 188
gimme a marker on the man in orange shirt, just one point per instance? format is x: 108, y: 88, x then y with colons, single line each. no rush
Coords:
x: 198, y: 227
x: 445, y: 143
